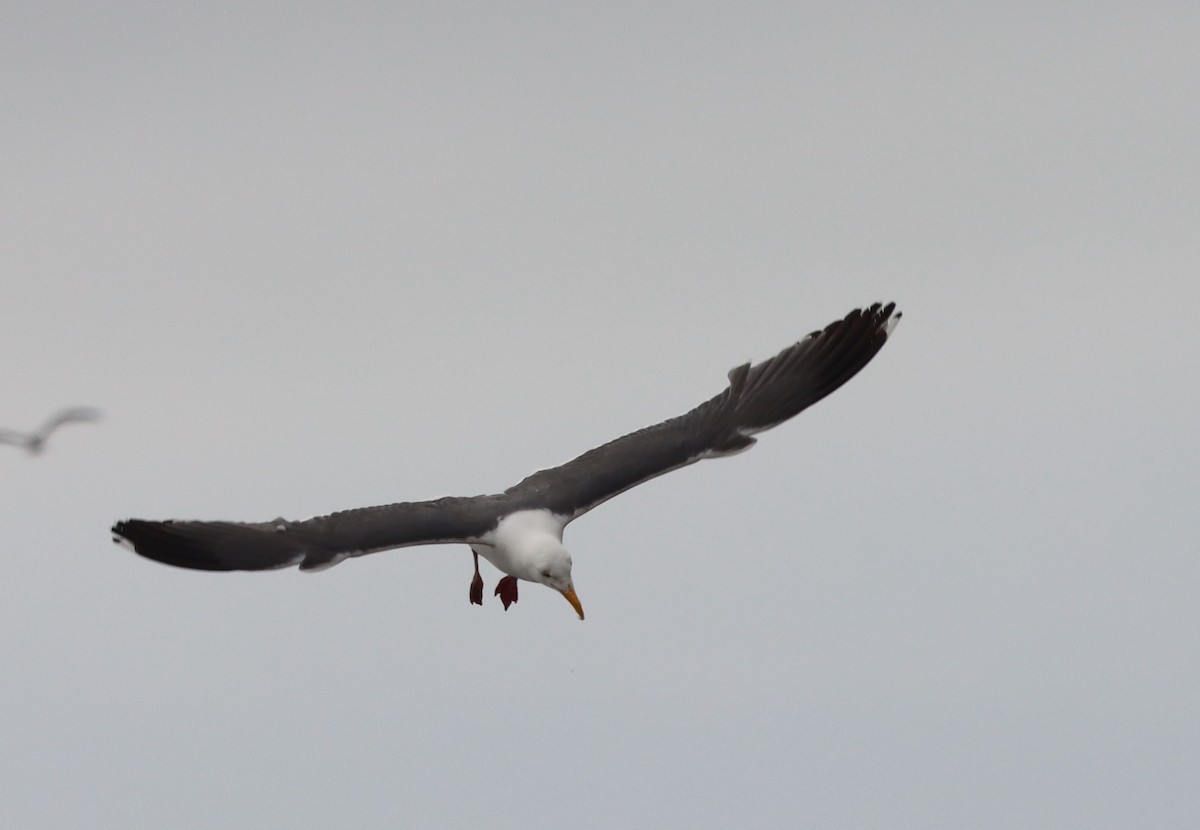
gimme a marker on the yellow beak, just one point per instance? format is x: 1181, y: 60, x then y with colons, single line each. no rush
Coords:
x: 574, y: 600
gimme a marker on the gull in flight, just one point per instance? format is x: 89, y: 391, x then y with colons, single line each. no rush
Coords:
x: 520, y: 530
x: 35, y: 441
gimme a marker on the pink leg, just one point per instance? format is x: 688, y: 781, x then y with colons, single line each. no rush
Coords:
x: 506, y: 589
x: 476, y: 583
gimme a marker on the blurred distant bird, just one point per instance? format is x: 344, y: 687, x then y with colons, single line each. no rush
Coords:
x: 35, y: 441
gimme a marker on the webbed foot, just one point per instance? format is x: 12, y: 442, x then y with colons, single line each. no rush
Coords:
x: 506, y: 589
x: 476, y: 582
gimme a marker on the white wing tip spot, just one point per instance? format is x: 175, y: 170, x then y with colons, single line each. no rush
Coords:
x: 892, y: 323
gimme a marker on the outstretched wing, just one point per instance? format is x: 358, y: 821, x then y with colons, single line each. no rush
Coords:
x: 314, y: 543
x: 758, y: 397
x: 74, y: 414
x: 17, y: 439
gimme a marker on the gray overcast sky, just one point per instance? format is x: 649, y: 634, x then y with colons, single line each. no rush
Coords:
x: 310, y: 257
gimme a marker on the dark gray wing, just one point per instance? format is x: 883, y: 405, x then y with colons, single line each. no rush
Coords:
x: 758, y: 398
x: 314, y: 543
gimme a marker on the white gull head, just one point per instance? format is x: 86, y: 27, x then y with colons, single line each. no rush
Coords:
x: 528, y: 544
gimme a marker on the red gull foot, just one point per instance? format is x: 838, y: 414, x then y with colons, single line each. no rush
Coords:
x: 476, y: 583
x: 506, y: 589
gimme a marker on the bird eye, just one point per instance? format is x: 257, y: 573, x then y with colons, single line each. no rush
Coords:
x: 546, y: 574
